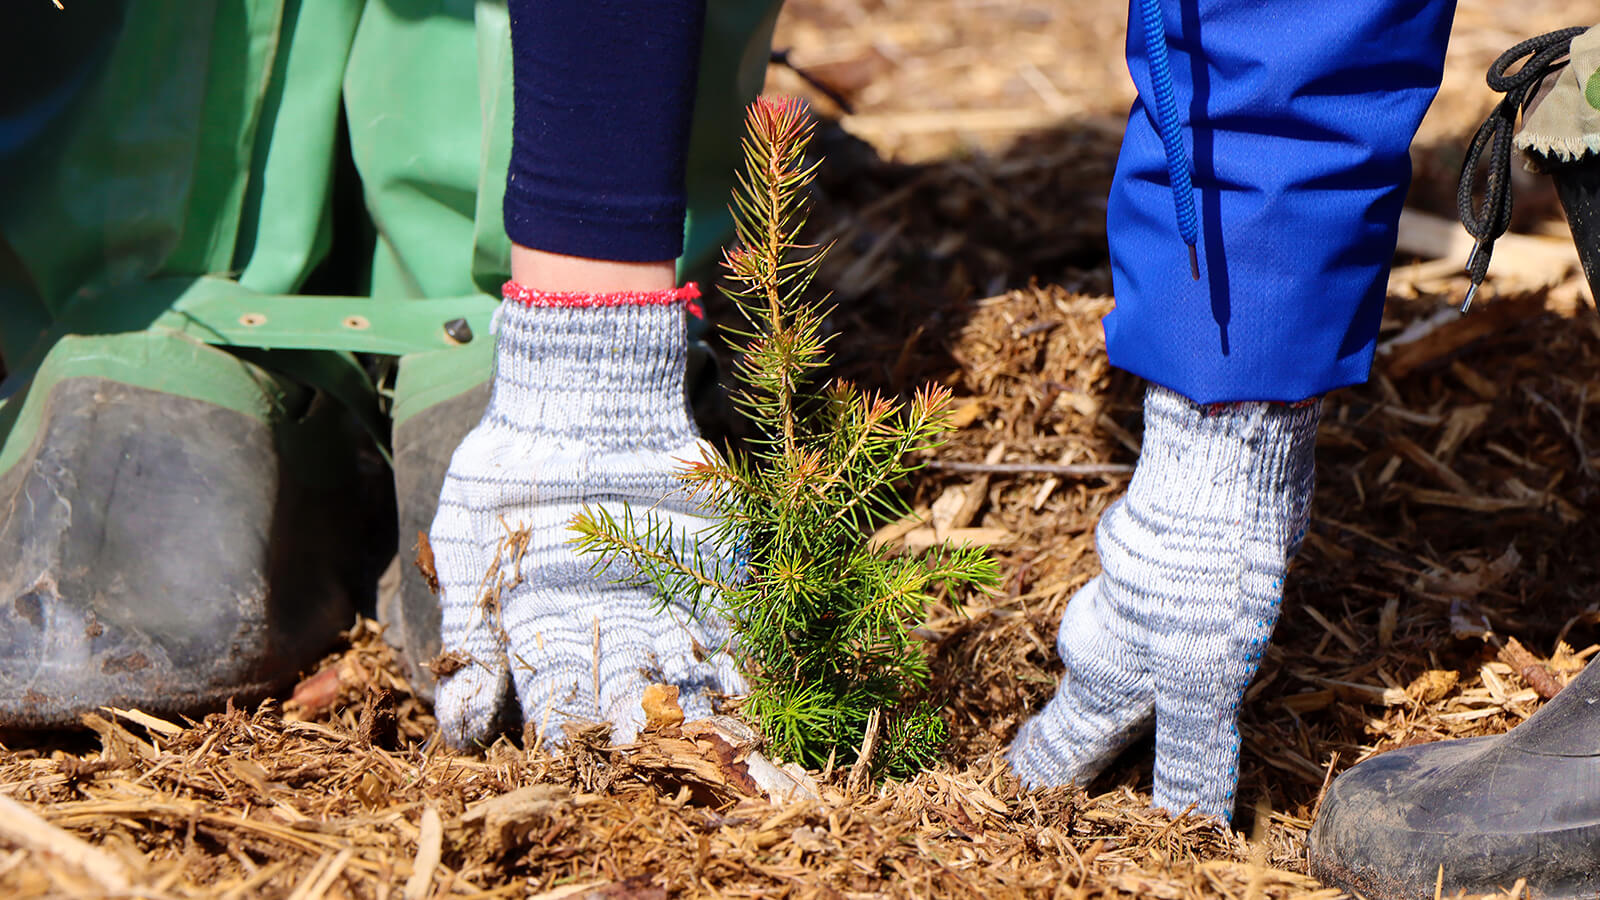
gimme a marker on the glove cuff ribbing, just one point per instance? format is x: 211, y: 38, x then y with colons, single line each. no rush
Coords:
x: 606, y: 369
x: 1271, y: 441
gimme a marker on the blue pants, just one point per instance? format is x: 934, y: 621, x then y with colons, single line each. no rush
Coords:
x: 1299, y: 115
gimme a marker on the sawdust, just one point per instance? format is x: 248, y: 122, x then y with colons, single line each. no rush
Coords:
x: 1443, y: 590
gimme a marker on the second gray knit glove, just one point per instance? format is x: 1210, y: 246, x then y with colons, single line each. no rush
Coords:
x: 1174, y: 628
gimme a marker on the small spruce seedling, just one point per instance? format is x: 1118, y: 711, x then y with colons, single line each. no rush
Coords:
x: 822, y: 619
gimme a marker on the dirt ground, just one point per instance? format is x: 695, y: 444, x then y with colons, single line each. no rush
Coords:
x: 1445, y: 586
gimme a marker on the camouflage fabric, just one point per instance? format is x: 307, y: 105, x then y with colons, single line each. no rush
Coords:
x: 1564, y: 121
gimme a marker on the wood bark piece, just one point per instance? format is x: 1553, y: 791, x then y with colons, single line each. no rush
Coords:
x: 922, y: 538
x: 661, y: 709
x: 319, y: 693
x: 1430, y: 465
x: 718, y: 759
x: 1530, y: 668
x: 1449, y: 331
x: 150, y: 723
x: 869, y: 746
x: 430, y: 848
x: 322, y: 876
x: 894, y: 532
x: 959, y: 504
x: 508, y: 820
x: 1530, y: 261
x: 425, y: 564
x: 23, y: 828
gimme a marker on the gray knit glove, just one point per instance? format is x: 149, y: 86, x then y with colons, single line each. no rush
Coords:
x: 1174, y: 628
x: 587, y: 407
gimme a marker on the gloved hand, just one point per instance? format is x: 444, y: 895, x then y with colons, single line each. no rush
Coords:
x: 1174, y: 628
x: 587, y: 407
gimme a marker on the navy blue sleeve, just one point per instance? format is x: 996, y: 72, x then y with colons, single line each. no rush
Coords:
x: 603, y: 95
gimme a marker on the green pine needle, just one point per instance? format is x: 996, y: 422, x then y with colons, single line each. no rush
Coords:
x: 823, y: 621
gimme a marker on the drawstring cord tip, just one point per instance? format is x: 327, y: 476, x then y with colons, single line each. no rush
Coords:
x: 1477, y: 280
x: 1194, y: 263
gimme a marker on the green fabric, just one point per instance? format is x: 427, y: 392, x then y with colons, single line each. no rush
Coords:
x: 1564, y: 121
x: 200, y: 143
x: 733, y: 66
x: 436, y: 169
x: 416, y: 133
x: 222, y: 311
x: 285, y: 231
x: 175, y: 172
x: 100, y: 197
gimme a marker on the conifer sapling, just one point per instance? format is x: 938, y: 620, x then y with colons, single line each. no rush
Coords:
x: 823, y: 621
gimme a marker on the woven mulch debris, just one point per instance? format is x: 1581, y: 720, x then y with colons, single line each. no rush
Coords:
x: 1444, y: 590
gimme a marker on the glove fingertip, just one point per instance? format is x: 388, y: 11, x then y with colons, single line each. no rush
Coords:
x: 470, y: 705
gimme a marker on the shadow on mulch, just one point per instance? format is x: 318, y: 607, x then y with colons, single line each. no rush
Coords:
x: 914, y: 248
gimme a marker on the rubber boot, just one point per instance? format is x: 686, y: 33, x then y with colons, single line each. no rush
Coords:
x: 182, y: 527
x: 438, y: 398
x: 1578, y: 185
x: 1484, y: 811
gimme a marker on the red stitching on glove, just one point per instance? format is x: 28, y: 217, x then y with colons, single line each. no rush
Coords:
x: 1217, y: 409
x: 527, y: 296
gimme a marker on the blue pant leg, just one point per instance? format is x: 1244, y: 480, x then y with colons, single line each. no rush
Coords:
x: 1298, y: 118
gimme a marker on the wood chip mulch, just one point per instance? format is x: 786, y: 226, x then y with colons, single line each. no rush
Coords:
x: 1446, y: 588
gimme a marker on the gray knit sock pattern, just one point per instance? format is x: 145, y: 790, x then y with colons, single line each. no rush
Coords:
x: 588, y: 407
x: 1194, y: 559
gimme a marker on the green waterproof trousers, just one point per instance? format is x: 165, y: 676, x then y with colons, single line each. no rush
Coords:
x: 171, y: 167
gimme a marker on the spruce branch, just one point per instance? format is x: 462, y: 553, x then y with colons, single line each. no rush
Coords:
x: 653, y: 548
x: 823, y: 621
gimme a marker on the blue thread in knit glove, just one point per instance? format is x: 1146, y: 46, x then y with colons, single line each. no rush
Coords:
x: 1175, y: 626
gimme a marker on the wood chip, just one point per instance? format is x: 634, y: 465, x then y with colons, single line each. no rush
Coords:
x: 430, y: 847
x: 23, y: 828
x: 1529, y: 668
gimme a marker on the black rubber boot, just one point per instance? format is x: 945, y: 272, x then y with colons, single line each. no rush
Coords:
x: 423, y: 444
x: 167, y: 552
x: 1525, y: 804
x: 1578, y: 186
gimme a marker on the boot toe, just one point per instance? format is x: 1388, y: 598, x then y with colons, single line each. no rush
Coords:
x: 157, y: 551
x: 1481, y: 811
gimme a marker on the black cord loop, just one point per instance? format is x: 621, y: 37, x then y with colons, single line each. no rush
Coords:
x: 1545, y: 55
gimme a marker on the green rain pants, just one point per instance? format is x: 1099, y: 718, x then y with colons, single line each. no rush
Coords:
x: 167, y: 175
